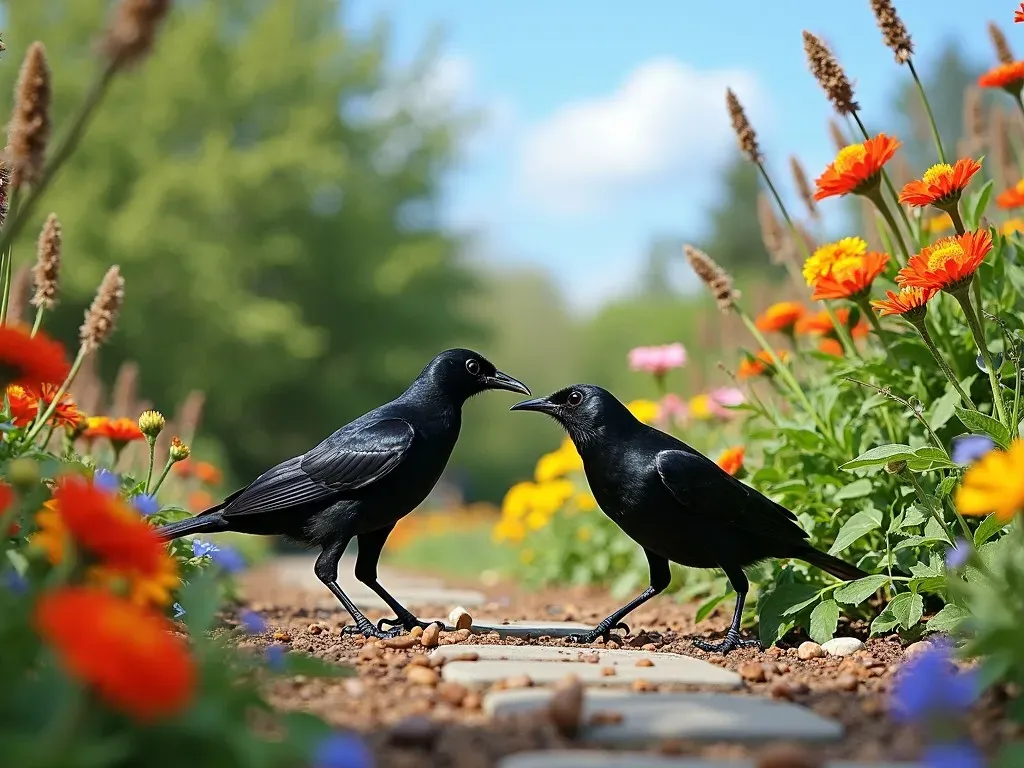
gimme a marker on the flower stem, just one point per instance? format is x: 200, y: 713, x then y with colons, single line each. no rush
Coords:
x: 44, y: 417
x: 923, y: 497
x: 5, y: 275
x: 943, y: 365
x: 876, y: 197
x: 886, y: 179
x: 963, y: 296
x: 149, y: 474
x: 927, y: 111
x: 163, y: 476
x: 865, y: 309
x: 38, y: 321
x: 954, y: 213
x: 1020, y: 104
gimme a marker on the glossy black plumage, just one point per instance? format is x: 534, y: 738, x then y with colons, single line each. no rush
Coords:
x: 360, y: 481
x: 675, y: 502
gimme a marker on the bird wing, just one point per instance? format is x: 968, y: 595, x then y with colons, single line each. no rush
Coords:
x: 346, y: 461
x: 701, y: 486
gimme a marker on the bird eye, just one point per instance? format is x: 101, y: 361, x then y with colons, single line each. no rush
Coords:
x: 575, y: 398
x: 473, y: 367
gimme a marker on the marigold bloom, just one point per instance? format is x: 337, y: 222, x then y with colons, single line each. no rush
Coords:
x: 908, y: 301
x: 200, y: 500
x: 820, y: 324
x: 644, y: 410
x: 1009, y: 77
x: 117, y: 431
x: 857, y: 168
x: 1011, y: 226
x: 1012, y: 197
x: 207, y: 473
x: 995, y: 483
x: 30, y: 360
x: 842, y: 255
x: 25, y: 406
x: 829, y: 346
x: 851, y: 280
x: 125, y: 652
x: 781, y: 316
x: 759, y: 363
x: 731, y: 459
x: 556, y: 464
x: 948, y: 263
x: 941, y: 185
x: 1018, y: 15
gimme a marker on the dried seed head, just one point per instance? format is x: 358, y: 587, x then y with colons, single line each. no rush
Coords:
x: 830, y: 75
x: 894, y: 31
x: 718, y: 281
x: 101, y: 317
x: 771, y: 231
x: 5, y: 191
x: 21, y: 287
x: 1003, y: 52
x: 29, y: 129
x: 974, y: 121
x: 132, y: 30
x: 803, y: 186
x: 838, y: 137
x: 744, y: 132
x: 46, y: 273
x: 126, y: 389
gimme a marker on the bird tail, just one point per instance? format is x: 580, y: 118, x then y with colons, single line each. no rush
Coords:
x: 833, y: 565
x: 206, y: 522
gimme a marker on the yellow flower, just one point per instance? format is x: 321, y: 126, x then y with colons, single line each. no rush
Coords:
x: 995, y: 483
x: 1011, y: 226
x: 585, y: 502
x: 701, y: 407
x: 516, y: 503
x: 537, y: 519
x: 558, y: 463
x: 509, y: 530
x: 52, y: 536
x: 584, y: 534
x: 644, y: 410
x: 934, y: 225
x: 837, y: 258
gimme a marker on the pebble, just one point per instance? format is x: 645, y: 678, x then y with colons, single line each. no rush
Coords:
x: 842, y: 646
x: 809, y: 650
x: 403, y: 643
x: 282, y: 637
x: 787, y: 756
x: 752, y: 672
x: 472, y: 701
x: 416, y: 732
x: 915, y: 648
x: 420, y: 660
x: 649, y: 647
x: 314, y: 629
x: 566, y: 707
x: 416, y: 631
x: 461, y: 635
x: 591, y: 658
x: 644, y: 686
x: 519, y: 681
x: 452, y: 693
x: 847, y: 683
x: 460, y: 618
x: 781, y: 689
x: 415, y: 673
x: 644, y: 663
x: 608, y: 671
x: 430, y: 636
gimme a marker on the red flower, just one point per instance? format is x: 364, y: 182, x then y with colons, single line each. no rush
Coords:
x: 1012, y: 197
x: 857, y: 168
x: 731, y: 459
x: 948, y: 263
x: 1009, y: 77
x: 117, y: 431
x: 941, y: 185
x: 30, y: 360
x: 1018, y: 15
x: 25, y: 406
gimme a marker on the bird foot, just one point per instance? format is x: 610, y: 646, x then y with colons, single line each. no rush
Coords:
x: 407, y: 622
x: 602, y: 630
x: 366, y: 629
x: 731, y: 642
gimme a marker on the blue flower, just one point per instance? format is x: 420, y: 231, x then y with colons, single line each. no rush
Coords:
x: 201, y: 548
x: 342, y: 750
x: 106, y: 481
x: 252, y: 622
x: 275, y: 656
x: 15, y: 582
x: 960, y: 754
x: 958, y: 555
x: 930, y: 685
x: 228, y: 558
x: 969, y: 448
x: 147, y: 505
x: 178, y: 610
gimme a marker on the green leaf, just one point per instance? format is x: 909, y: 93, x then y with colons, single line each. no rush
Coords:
x: 979, y: 423
x: 916, y: 541
x: 989, y: 527
x: 708, y: 606
x: 296, y: 663
x: 976, y: 205
x: 907, y: 608
x: 772, y: 624
x: 824, y: 620
x: 1012, y: 755
x: 880, y: 455
x: 938, y: 458
x: 855, y: 490
x: 942, y: 410
x: 858, y: 525
x: 200, y: 598
x: 856, y: 592
x: 946, y: 620
x: 946, y: 486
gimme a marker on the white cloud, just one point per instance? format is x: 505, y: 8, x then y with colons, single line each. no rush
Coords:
x: 666, y: 121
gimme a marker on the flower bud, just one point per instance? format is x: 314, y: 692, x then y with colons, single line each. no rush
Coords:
x: 151, y: 423
x: 23, y: 473
x: 896, y: 467
x: 179, y: 451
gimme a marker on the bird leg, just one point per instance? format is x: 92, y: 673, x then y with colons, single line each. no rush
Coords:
x: 732, y: 636
x: 660, y: 578
x: 326, y: 569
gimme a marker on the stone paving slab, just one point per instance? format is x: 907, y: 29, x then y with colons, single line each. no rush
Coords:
x: 547, y: 664
x: 594, y: 759
x: 528, y: 629
x: 652, y: 717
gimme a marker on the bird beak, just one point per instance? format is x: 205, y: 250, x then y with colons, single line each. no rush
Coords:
x: 539, y: 404
x: 503, y: 381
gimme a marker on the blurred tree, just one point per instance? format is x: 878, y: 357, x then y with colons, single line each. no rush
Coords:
x: 656, y: 278
x: 269, y: 190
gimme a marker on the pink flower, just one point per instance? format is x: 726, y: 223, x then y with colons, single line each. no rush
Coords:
x: 726, y: 398
x: 672, y: 408
x: 657, y: 360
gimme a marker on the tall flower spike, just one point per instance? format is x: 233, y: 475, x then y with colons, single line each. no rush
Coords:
x: 771, y: 231
x: 101, y: 317
x: 974, y: 121
x: 718, y: 281
x: 5, y: 190
x: 829, y: 75
x: 838, y: 137
x: 47, y: 269
x: 744, y: 131
x: 21, y: 287
x: 29, y: 129
x: 132, y: 30
x: 1003, y: 52
x: 803, y: 186
x: 894, y: 31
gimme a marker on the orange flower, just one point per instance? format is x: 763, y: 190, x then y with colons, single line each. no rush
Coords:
x: 1012, y: 197
x: 781, y: 316
x: 759, y: 363
x: 117, y: 431
x: 200, y: 500
x: 125, y: 652
x: 909, y: 301
x: 857, y: 168
x: 941, y: 184
x: 830, y: 346
x: 1009, y: 77
x: 851, y: 280
x: 207, y: 473
x: 731, y: 459
x: 948, y: 263
x: 25, y: 406
x: 820, y: 324
x: 841, y: 255
x: 1018, y: 15
x: 30, y: 360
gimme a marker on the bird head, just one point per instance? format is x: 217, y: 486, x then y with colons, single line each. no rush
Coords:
x: 587, y: 412
x: 462, y: 373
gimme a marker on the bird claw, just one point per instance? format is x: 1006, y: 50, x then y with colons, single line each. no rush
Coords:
x: 407, y: 623
x: 605, y: 632
x: 731, y: 642
x: 368, y: 630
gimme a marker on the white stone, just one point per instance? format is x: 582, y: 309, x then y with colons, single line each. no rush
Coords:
x: 842, y: 646
x: 595, y: 759
x: 652, y: 717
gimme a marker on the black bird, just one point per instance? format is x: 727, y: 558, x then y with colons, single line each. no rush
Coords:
x: 675, y: 503
x: 360, y: 481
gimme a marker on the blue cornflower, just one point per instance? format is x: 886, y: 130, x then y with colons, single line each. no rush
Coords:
x: 178, y: 610
x: 275, y: 656
x: 201, y: 548
x: 342, y: 750
x: 958, y: 555
x: 228, y: 558
x: 146, y: 505
x: 106, y: 480
x: 252, y: 622
x: 15, y: 582
x: 960, y: 754
x: 967, y: 449
x: 930, y: 685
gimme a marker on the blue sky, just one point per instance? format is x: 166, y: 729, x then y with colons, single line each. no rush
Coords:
x: 606, y: 121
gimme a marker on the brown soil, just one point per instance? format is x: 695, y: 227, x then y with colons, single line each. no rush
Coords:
x: 411, y: 720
